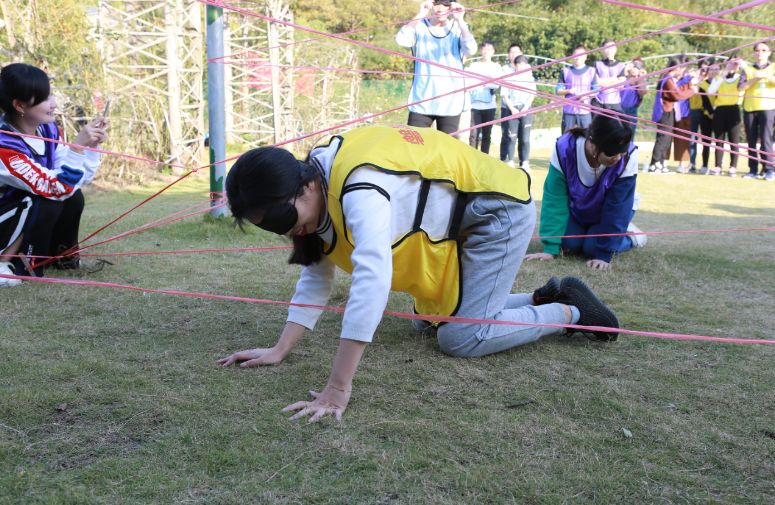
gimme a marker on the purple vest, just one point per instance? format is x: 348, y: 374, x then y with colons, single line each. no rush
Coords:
x: 613, y: 95
x: 656, y: 113
x: 630, y: 97
x: 578, y: 84
x: 682, y: 108
x: 586, y: 202
x: 49, y: 131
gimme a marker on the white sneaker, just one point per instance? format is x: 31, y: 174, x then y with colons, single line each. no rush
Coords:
x: 637, y: 240
x: 525, y: 166
x: 510, y: 163
x: 7, y: 269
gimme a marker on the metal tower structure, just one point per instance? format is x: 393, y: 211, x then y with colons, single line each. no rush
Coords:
x: 259, y: 80
x: 269, y: 99
x: 154, y: 66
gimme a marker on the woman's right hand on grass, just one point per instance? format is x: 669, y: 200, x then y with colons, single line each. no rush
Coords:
x: 253, y: 357
x: 539, y: 257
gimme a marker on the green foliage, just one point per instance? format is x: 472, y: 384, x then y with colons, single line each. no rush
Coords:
x: 61, y: 44
x: 550, y: 28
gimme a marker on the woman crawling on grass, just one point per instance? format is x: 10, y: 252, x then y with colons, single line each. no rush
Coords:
x: 590, y: 190
x: 411, y: 210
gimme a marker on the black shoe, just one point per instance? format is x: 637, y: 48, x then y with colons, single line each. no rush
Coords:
x: 548, y: 293
x: 593, y: 312
x: 69, y: 262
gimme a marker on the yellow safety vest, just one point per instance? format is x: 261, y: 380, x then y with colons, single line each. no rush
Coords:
x: 760, y: 96
x: 695, y: 102
x: 704, y: 85
x: 727, y: 93
x: 427, y: 270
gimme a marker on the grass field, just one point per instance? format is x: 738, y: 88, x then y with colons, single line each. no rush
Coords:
x: 110, y: 396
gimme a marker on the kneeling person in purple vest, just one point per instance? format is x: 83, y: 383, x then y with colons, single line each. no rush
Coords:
x: 589, y: 194
x: 410, y: 210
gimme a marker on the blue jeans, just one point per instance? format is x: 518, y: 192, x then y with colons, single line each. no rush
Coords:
x: 589, y: 245
x: 696, y: 118
x: 632, y: 111
x: 495, y: 234
x: 573, y: 120
x: 512, y: 131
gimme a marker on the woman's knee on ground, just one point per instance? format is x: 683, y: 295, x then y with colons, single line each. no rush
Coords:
x: 454, y: 340
x: 573, y: 245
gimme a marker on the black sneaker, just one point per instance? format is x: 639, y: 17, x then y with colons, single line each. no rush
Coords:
x: 69, y: 262
x: 548, y: 293
x: 593, y: 312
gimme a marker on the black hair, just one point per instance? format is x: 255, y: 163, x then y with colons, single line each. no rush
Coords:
x: 28, y: 84
x: 637, y: 62
x: 514, y: 44
x: 609, y: 134
x: 269, y: 176
x: 521, y: 59
x: 673, y: 62
x: 579, y: 46
x: 488, y: 43
x: 608, y: 41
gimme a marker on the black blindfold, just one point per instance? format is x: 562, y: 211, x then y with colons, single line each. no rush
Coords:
x: 279, y: 219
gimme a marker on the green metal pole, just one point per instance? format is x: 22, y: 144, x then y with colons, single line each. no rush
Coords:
x: 215, y: 108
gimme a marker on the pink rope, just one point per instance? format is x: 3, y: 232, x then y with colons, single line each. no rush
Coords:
x: 484, y: 9
x: 286, y: 247
x: 557, y: 101
x: 94, y: 149
x: 371, y: 116
x: 403, y: 315
x: 690, y: 15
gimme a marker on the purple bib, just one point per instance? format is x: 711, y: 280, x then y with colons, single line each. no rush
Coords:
x: 656, y: 114
x: 579, y: 84
x: 613, y: 95
x: 586, y: 202
x: 630, y: 97
x: 682, y: 108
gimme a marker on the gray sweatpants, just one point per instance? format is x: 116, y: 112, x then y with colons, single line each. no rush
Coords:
x: 495, y: 236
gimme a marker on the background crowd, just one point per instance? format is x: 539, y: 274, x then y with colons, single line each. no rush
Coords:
x: 701, y: 103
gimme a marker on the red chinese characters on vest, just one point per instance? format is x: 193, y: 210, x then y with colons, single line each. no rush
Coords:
x: 411, y: 136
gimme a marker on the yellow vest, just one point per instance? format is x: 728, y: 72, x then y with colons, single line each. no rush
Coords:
x: 704, y: 85
x: 760, y: 96
x: 695, y: 102
x: 429, y: 271
x: 727, y: 93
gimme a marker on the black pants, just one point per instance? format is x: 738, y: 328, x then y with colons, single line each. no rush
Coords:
x: 446, y: 124
x: 664, y: 138
x: 758, y: 128
x: 726, y: 123
x: 706, y: 128
x: 51, y: 228
x: 513, y: 130
x: 478, y: 117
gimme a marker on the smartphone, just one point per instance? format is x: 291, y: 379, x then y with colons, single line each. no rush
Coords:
x: 106, y: 110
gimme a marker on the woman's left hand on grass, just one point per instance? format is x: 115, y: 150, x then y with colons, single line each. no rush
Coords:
x: 331, y: 401
x: 598, y: 264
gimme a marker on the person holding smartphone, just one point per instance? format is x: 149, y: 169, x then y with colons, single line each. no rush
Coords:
x: 40, y: 181
x: 438, y: 33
